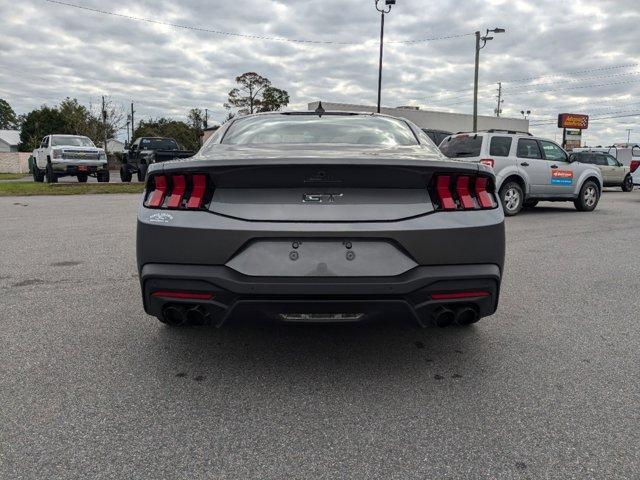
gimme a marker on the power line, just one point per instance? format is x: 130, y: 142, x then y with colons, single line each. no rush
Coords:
x: 526, y: 79
x: 243, y: 35
x: 634, y: 114
x: 574, y: 80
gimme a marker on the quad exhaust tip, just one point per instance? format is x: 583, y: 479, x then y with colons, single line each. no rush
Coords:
x: 174, y: 316
x: 178, y: 315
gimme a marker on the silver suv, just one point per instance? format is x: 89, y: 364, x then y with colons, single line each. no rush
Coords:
x: 528, y: 169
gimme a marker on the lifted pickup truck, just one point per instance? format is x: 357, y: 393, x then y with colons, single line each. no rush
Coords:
x: 69, y: 155
x: 147, y: 150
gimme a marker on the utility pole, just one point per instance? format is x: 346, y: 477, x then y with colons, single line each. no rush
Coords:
x: 475, y: 83
x: 133, y: 125
x: 479, y: 47
x: 386, y: 9
x: 104, y: 125
x: 206, y: 118
x: 499, y: 107
x: 628, y: 135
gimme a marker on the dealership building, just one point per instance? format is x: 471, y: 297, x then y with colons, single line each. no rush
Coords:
x: 451, y: 122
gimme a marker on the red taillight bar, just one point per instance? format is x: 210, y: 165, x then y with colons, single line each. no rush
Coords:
x: 455, y: 295
x: 444, y: 192
x: 464, y: 195
x: 179, y: 186
x: 157, y: 196
x: 182, y: 295
x: 198, y: 191
x: 484, y: 198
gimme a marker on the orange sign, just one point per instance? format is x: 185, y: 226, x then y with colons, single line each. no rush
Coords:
x: 573, y: 120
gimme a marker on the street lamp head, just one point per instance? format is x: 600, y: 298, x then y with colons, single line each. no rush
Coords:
x: 486, y: 39
x: 498, y: 30
x: 390, y: 2
x: 387, y: 6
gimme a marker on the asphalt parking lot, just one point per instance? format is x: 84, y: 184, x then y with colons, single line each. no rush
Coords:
x: 91, y: 387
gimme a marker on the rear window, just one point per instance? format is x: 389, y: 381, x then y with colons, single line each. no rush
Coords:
x: 462, y: 146
x: 325, y: 129
x: 158, y: 144
x: 500, y: 146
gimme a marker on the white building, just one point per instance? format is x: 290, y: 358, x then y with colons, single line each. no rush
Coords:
x: 9, y: 140
x: 451, y: 122
x: 114, y: 145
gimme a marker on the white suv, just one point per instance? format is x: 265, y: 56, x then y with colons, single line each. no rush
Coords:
x: 528, y: 169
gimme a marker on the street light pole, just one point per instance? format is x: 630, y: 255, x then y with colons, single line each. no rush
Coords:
x: 479, y: 47
x: 386, y: 9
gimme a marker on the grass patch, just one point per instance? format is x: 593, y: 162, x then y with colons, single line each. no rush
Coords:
x: 12, y: 176
x: 33, y: 188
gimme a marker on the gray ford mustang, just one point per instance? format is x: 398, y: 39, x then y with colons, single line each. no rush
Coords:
x: 320, y: 217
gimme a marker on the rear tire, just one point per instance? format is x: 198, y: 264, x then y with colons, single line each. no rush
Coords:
x: 38, y: 175
x: 511, y: 196
x: 627, y: 184
x: 588, y: 197
x: 142, y: 172
x: 125, y: 174
x: 52, y: 177
x: 82, y: 177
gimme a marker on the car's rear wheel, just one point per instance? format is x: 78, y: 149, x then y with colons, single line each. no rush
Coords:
x: 142, y: 171
x: 38, y: 175
x: 82, y: 177
x: 627, y: 184
x: 52, y: 177
x: 588, y: 198
x: 125, y: 174
x: 511, y: 196
x: 103, y: 177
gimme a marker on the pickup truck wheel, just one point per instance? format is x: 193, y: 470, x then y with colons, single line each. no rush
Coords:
x: 125, y: 174
x: 82, y: 177
x: 52, y: 177
x: 103, y: 177
x: 142, y: 172
x: 588, y: 197
x: 627, y: 184
x: 511, y: 197
x: 38, y: 175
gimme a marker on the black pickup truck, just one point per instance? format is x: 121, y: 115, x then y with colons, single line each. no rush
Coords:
x: 147, y: 150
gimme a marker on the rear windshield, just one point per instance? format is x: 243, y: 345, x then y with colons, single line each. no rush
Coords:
x: 158, y: 144
x: 337, y: 129
x: 462, y: 146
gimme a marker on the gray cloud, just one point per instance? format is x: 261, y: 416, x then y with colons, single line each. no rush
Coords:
x: 49, y: 52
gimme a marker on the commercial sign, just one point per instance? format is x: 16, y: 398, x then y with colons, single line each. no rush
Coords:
x: 573, y: 120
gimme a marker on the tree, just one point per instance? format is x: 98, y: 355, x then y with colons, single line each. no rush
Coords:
x: 196, y: 122
x: 8, y: 119
x: 273, y: 99
x: 249, y: 96
x: 39, y: 123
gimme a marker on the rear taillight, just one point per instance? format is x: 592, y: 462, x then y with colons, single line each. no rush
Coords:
x: 634, y: 165
x: 488, y: 162
x: 463, y: 192
x: 184, y: 191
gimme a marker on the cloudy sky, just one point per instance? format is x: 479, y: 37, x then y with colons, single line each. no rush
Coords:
x: 572, y: 56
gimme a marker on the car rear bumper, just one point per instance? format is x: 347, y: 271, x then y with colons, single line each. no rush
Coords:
x: 411, y: 293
